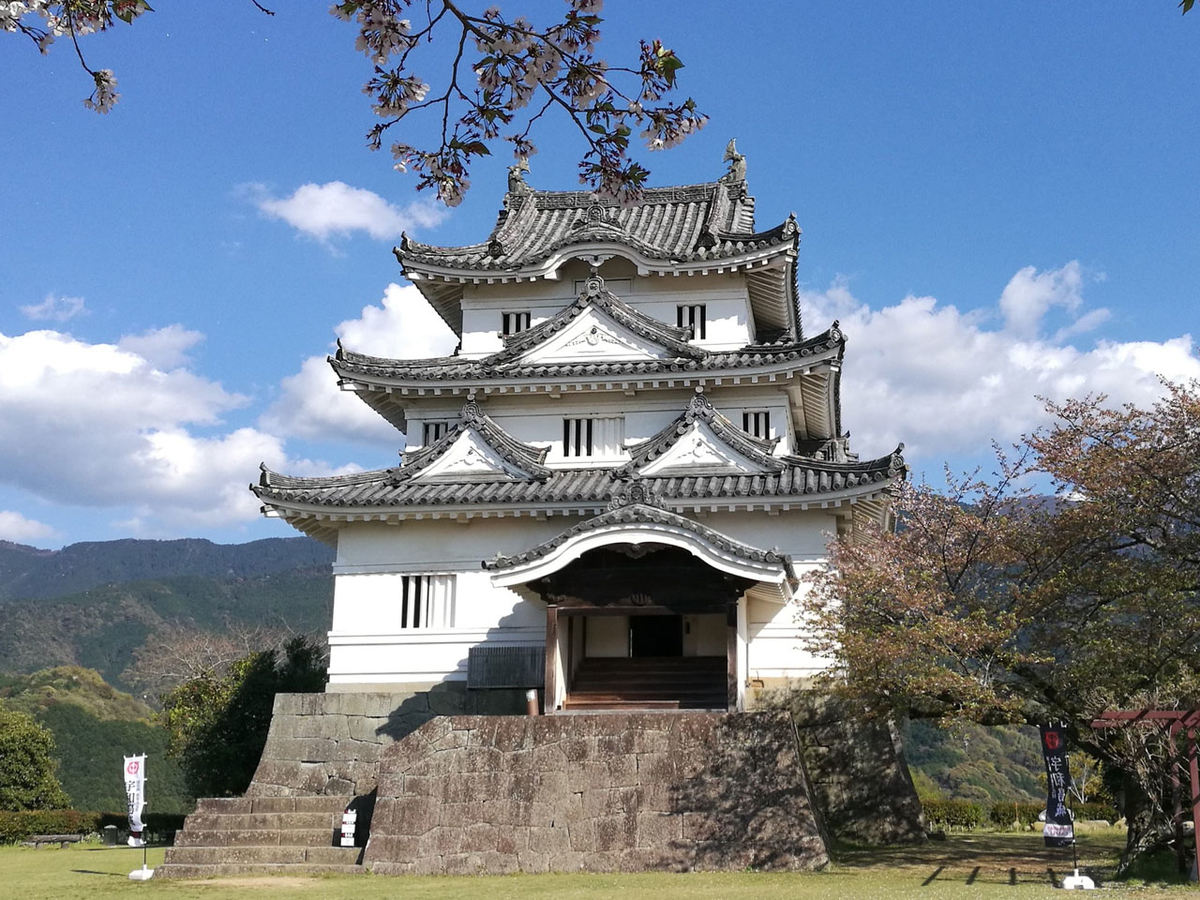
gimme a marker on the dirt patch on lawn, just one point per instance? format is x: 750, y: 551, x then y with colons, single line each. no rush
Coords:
x: 267, y: 882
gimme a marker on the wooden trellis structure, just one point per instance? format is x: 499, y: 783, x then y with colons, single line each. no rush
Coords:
x: 1174, y: 722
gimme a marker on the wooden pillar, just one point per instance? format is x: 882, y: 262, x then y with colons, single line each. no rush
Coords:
x: 731, y: 654
x: 550, y: 689
x: 1177, y: 796
x: 1194, y: 771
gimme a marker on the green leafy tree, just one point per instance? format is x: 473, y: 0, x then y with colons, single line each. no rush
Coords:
x: 27, y: 767
x: 993, y: 605
x: 218, y: 721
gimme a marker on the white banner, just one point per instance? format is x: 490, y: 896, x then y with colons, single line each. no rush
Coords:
x: 135, y: 796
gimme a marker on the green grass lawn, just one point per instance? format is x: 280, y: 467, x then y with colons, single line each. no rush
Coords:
x: 980, y: 866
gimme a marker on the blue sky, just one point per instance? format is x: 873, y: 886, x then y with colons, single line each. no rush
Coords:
x: 998, y: 201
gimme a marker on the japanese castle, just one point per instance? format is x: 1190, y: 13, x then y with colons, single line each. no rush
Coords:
x: 613, y: 487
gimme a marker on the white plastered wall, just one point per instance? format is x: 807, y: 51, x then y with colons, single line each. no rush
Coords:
x: 368, y: 647
x: 725, y: 296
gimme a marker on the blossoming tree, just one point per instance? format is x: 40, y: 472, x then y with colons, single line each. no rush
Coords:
x: 993, y: 603
x: 506, y: 74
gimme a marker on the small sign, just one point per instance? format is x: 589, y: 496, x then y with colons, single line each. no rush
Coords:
x: 1060, y: 828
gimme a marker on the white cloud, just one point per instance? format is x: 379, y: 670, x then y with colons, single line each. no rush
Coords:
x: 335, y: 209
x: 54, y: 309
x: 102, y: 425
x: 15, y: 527
x: 934, y: 377
x: 403, y: 326
x: 164, y: 348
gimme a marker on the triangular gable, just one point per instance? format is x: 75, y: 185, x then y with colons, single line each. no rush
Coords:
x: 702, y: 440
x: 474, y: 449
x: 469, y: 457
x: 594, y: 335
x: 699, y: 448
x: 599, y: 326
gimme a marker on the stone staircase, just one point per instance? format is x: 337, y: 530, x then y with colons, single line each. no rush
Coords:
x: 679, y: 682
x: 261, y: 835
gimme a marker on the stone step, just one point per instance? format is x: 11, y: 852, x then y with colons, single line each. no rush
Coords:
x: 188, y: 870
x: 332, y: 803
x: 256, y: 837
x: 208, y: 856
x: 206, y: 821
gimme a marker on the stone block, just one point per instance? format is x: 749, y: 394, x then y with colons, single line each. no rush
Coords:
x: 301, y: 749
x: 601, y: 861
x: 450, y: 740
x: 447, y: 703
x: 412, y: 815
x: 569, y: 861
x: 616, y: 832
x: 582, y: 836
x: 511, y: 839
x: 533, y: 862
x: 658, y: 830
x: 546, y: 839
x: 496, y: 862
x: 367, y: 728
x: 479, y: 837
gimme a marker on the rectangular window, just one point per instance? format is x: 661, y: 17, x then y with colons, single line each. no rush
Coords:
x: 513, y: 322
x: 692, y: 316
x: 427, y: 601
x: 593, y: 436
x: 757, y: 423
x: 433, y: 431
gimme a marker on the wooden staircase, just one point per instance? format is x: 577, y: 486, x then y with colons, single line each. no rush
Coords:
x: 651, y: 682
x: 261, y: 835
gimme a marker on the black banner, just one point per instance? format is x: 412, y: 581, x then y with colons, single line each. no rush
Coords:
x: 1060, y: 828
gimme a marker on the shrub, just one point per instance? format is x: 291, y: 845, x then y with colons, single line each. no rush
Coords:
x: 20, y: 826
x: 218, y: 723
x: 27, y: 767
x: 954, y: 813
x: 1006, y: 812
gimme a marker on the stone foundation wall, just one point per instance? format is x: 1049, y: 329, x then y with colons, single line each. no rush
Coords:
x: 332, y: 743
x: 604, y: 792
x: 857, y: 770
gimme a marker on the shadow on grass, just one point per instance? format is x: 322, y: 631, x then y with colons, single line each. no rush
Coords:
x: 94, y: 872
x: 997, y: 858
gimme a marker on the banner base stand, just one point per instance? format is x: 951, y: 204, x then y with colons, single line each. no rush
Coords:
x: 1074, y: 882
x: 142, y: 874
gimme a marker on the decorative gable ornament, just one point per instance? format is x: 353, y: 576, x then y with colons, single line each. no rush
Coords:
x: 469, y: 458
x: 699, y: 448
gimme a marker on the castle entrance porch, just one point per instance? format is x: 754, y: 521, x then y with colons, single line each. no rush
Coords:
x: 641, y: 626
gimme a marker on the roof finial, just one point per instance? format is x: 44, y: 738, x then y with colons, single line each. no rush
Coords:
x: 737, y: 162
x: 516, y: 177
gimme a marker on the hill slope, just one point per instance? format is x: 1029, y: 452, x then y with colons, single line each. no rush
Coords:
x: 101, y: 628
x: 94, y: 727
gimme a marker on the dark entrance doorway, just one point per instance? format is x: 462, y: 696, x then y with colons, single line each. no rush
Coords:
x: 655, y: 636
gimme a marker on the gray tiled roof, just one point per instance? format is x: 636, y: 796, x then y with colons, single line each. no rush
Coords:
x: 690, y: 222
x: 633, y: 504
x: 506, y: 363
x: 798, y: 478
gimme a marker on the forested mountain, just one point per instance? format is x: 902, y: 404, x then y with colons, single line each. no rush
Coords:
x: 974, y: 762
x: 29, y: 572
x: 101, y: 628
x: 94, y: 604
